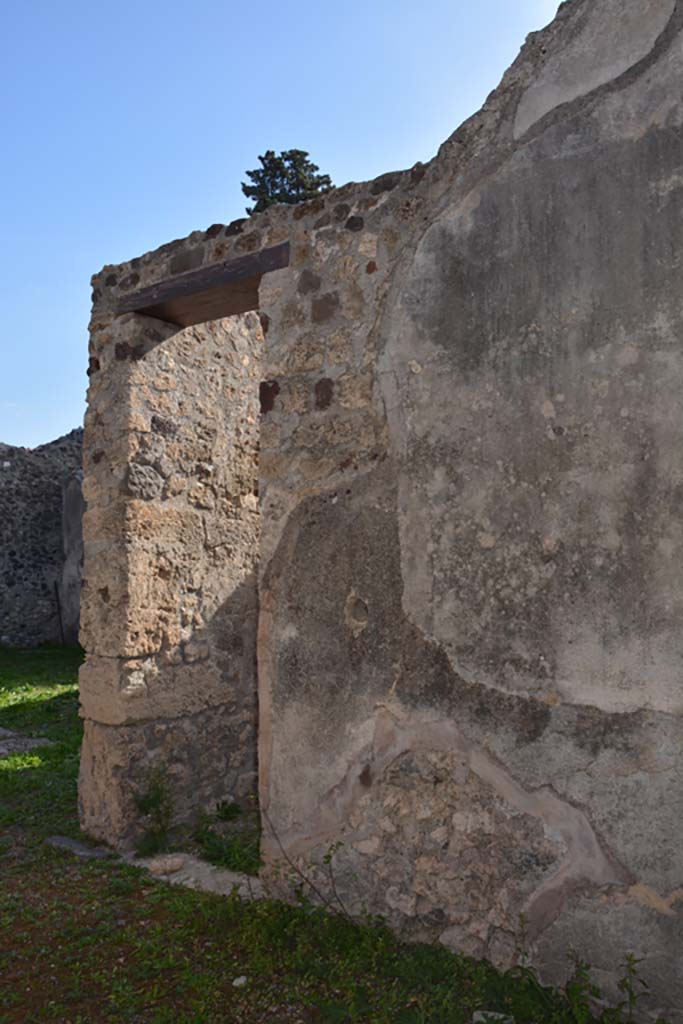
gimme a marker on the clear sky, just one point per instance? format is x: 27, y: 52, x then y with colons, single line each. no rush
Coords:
x: 125, y: 125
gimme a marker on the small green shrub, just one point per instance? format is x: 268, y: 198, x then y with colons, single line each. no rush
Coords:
x: 230, y: 838
x: 156, y: 805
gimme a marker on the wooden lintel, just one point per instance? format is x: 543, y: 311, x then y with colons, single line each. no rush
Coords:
x: 209, y: 293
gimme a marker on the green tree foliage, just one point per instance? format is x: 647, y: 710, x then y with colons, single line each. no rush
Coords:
x: 288, y: 178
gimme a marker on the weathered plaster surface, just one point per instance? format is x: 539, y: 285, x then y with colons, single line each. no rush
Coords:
x: 606, y: 40
x: 550, y: 446
x: 529, y: 604
x: 469, y: 643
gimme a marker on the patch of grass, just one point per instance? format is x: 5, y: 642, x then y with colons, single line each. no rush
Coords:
x: 103, y: 942
x: 39, y: 691
x: 39, y: 697
x: 100, y: 942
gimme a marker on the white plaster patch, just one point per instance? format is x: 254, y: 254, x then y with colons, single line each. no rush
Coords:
x: 616, y: 35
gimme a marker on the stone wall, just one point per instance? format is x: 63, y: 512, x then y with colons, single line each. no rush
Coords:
x: 73, y: 508
x: 169, y: 590
x: 469, y: 640
x: 39, y: 534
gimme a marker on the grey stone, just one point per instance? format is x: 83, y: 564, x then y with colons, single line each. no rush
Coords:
x: 144, y: 482
x: 78, y: 849
x: 165, y: 865
x: 15, y: 743
x: 195, y: 873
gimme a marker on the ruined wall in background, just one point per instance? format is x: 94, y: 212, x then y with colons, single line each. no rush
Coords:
x: 32, y: 550
x: 469, y: 641
x: 169, y: 593
x: 73, y: 508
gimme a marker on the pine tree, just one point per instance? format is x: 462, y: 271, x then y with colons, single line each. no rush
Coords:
x: 288, y: 178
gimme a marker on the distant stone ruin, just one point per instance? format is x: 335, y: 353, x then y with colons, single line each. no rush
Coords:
x: 41, y: 511
x: 432, y: 595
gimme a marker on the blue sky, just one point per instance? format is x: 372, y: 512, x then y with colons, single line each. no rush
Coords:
x: 126, y: 125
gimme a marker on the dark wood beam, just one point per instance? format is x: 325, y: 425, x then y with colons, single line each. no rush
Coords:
x: 209, y: 293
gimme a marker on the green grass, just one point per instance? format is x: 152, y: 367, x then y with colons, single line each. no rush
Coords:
x: 39, y: 697
x: 103, y: 942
